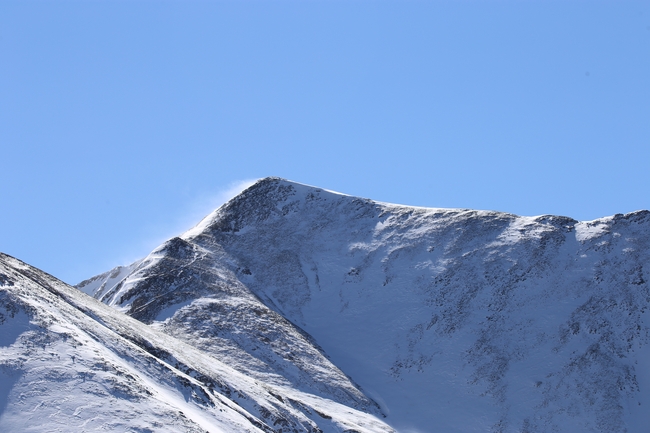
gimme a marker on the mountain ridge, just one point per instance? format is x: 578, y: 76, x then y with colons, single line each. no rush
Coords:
x: 452, y: 278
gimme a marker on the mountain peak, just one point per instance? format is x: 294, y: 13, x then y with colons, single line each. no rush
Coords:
x: 266, y: 197
x: 463, y: 319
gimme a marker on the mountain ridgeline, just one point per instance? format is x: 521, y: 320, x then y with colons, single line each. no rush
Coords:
x: 355, y: 315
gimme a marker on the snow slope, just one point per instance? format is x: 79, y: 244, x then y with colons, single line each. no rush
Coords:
x: 99, y: 283
x: 70, y: 363
x: 452, y: 320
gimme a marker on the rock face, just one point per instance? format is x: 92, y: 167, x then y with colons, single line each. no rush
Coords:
x: 448, y: 320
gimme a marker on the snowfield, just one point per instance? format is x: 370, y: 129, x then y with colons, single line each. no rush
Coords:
x: 292, y: 308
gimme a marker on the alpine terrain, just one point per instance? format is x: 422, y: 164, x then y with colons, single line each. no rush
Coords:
x: 296, y: 309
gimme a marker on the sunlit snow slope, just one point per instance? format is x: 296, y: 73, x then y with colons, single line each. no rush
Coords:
x: 70, y: 363
x: 451, y: 320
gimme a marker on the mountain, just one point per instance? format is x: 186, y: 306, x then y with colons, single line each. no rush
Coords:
x: 344, y: 314
x: 452, y: 320
x: 70, y: 363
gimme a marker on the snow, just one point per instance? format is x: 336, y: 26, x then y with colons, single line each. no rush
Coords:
x: 99, y: 283
x: 13, y: 327
x: 202, y: 225
x: 592, y: 229
x: 168, y: 312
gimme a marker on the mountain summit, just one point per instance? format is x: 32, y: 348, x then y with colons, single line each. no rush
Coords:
x: 357, y: 314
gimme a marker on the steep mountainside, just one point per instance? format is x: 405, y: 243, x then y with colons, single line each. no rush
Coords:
x: 192, y: 293
x: 451, y: 320
x: 70, y: 363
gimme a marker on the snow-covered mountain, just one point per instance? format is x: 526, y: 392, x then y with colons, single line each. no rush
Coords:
x: 70, y: 363
x: 352, y: 313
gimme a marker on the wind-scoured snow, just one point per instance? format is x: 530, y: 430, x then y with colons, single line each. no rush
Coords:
x: 449, y: 320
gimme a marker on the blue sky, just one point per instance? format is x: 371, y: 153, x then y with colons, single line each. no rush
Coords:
x: 123, y: 123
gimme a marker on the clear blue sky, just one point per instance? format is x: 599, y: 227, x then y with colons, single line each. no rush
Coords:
x: 122, y: 123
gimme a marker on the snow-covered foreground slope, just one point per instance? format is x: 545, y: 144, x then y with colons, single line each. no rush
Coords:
x: 452, y: 320
x: 70, y: 363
